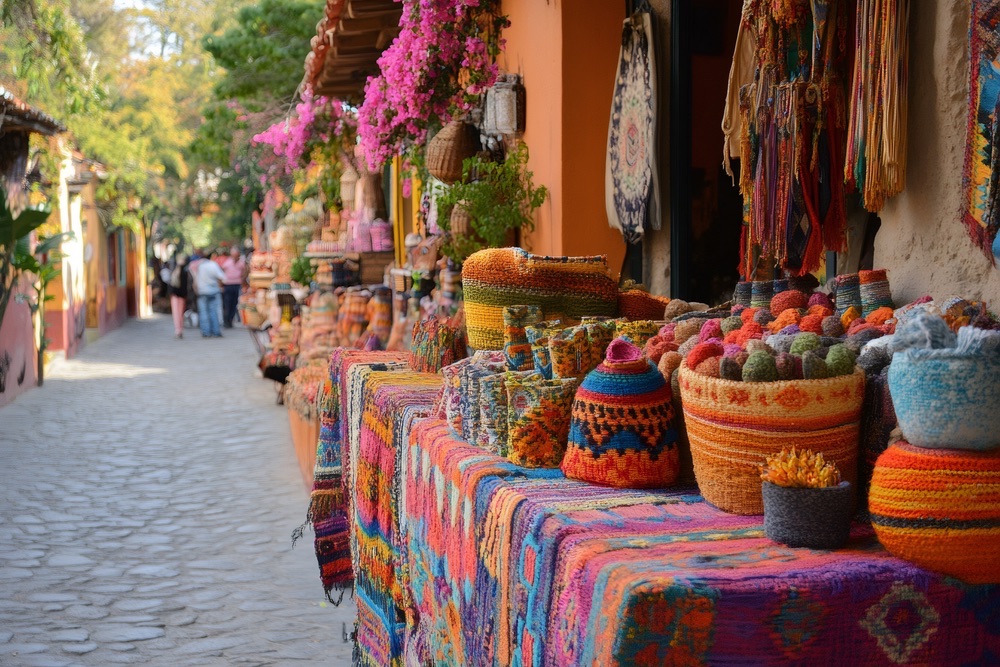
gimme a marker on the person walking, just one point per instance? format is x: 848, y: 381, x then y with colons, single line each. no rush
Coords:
x: 234, y: 267
x: 209, y: 285
x: 180, y: 283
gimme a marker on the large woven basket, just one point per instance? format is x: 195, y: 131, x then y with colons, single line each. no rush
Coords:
x: 938, y: 508
x: 449, y: 148
x: 564, y: 287
x: 733, y: 426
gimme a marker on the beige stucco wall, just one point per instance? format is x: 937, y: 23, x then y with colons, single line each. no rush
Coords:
x: 922, y: 241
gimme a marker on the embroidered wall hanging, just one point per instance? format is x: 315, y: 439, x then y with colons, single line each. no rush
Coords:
x: 632, y: 193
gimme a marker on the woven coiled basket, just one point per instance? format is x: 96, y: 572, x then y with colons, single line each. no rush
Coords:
x: 456, y: 142
x: 733, y: 427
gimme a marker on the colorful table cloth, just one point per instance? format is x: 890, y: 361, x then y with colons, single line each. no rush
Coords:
x: 392, y: 401
x: 525, y: 567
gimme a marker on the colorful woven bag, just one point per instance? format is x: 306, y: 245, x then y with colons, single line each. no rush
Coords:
x: 436, y: 344
x: 493, y: 409
x: 561, y: 286
x: 538, y: 413
x: 516, y: 348
x: 621, y: 432
x: 940, y: 509
x: 733, y: 426
x: 469, y: 379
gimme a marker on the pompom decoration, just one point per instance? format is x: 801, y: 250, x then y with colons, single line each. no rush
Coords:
x: 709, y: 367
x: 657, y: 346
x: 621, y: 432
x: 731, y: 323
x: 710, y: 329
x: 820, y: 299
x: 763, y: 316
x: 812, y: 324
x: 703, y: 351
x: 748, y: 314
x: 849, y: 316
x: 730, y: 369
x: 760, y: 367
x: 669, y: 363
x: 832, y: 327
x: 805, y: 342
x: 879, y: 316
x: 784, y: 319
x: 788, y: 299
x: 814, y: 367
x: 822, y: 311
x: 840, y: 360
x: 789, y: 366
x: 686, y: 329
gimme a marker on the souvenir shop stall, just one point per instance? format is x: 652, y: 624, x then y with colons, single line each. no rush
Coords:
x: 613, y: 478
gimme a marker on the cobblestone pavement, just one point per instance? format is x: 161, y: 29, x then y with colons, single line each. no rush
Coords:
x: 147, y: 496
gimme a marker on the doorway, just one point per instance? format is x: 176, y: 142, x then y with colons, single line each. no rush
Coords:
x: 706, y: 207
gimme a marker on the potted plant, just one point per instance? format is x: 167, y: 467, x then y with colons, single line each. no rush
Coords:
x: 493, y: 200
x: 806, y: 504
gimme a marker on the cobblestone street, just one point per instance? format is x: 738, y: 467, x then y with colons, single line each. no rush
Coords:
x: 147, y: 496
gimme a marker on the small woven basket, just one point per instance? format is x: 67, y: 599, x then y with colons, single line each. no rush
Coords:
x: 944, y: 398
x: 733, y: 427
x: 449, y: 148
x: 812, y: 518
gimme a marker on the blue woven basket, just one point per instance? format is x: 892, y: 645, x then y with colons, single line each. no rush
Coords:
x: 944, y: 398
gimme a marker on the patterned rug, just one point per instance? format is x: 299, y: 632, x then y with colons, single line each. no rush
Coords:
x: 524, y: 567
x: 393, y: 401
x: 327, y: 512
x: 981, y: 213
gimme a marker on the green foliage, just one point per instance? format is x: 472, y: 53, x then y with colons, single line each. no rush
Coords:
x: 302, y: 271
x: 498, y: 196
x: 14, y: 231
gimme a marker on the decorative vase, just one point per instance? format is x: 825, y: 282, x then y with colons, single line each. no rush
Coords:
x: 812, y: 518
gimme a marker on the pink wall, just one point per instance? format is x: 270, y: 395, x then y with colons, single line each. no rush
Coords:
x: 17, y: 351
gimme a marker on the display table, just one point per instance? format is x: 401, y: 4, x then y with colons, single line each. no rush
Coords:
x: 305, y: 433
x: 524, y: 567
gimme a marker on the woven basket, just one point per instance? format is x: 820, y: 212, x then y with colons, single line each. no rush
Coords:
x: 564, y: 287
x: 812, y: 518
x: 733, y: 427
x: 456, y: 142
x: 940, y: 509
x: 460, y: 222
x: 947, y: 399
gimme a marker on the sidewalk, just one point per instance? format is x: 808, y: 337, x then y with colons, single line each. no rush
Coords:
x: 147, y: 496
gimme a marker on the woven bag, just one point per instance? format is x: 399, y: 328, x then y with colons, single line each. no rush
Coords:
x: 938, y: 508
x: 733, y: 426
x: 563, y: 287
x: 944, y: 398
x: 456, y: 142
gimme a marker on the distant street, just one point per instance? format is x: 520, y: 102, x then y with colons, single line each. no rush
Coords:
x: 147, y: 496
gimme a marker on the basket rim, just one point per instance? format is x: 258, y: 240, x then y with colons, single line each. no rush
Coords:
x: 858, y: 373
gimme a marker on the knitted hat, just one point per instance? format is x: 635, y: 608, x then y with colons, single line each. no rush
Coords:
x: 621, y: 432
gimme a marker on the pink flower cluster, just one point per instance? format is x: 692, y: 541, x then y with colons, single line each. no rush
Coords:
x: 442, y: 60
x: 316, y: 119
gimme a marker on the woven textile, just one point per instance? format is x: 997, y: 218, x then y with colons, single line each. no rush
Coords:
x: 940, y: 509
x: 638, y: 331
x: 302, y: 389
x: 981, y: 176
x: 516, y: 348
x: 875, y: 292
x: 621, y: 432
x: 561, y: 286
x: 327, y: 510
x: 470, y: 402
x: 538, y: 414
x: 449, y: 405
x: 493, y: 409
x: 526, y: 568
x: 392, y: 402
x: 732, y: 427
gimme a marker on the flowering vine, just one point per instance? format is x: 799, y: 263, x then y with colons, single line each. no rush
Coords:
x: 316, y: 122
x: 443, y: 59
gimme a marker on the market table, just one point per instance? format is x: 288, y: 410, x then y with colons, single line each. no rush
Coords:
x: 508, y: 565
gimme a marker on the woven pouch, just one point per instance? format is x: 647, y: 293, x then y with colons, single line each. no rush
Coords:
x: 563, y: 287
x: 470, y: 377
x: 493, y: 409
x: 516, y: 348
x: 436, y: 344
x: 538, y: 414
x: 733, y: 426
x: 638, y: 331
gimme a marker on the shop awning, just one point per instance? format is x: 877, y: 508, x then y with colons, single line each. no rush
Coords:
x: 16, y: 116
x: 348, y: 42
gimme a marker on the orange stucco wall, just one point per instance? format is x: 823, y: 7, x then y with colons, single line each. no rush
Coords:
x: 591, y: 41
x: 567, y: 58
x: 534, y: 50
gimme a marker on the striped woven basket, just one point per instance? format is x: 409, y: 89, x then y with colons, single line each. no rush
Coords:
x: 564, y: 287
x: 733, y: 426
x: 939, y: 508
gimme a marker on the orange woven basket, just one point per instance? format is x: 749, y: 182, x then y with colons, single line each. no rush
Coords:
x: 733, y: 427
x: 940, y: 509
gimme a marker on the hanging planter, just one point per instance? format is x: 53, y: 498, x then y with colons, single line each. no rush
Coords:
x: 456, y: 142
